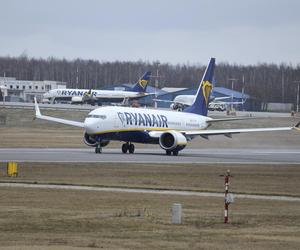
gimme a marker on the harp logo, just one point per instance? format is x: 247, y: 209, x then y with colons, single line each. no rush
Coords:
x: 206, y: 89
x: 143, y: 83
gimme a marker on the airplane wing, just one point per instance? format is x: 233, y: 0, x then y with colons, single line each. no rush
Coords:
x: 225, y: 132
x: 229, y: 132
x: 221, y: 98
x: 168, y: 101
x: 54, y: 119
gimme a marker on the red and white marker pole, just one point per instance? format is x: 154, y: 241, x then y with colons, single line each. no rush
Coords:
x: 227, y: 199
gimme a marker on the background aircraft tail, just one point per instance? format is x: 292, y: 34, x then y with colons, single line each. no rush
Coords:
x: 142, y: 83
x: 200, y: 104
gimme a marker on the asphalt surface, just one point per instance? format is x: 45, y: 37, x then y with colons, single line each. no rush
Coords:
x: 153, y: 155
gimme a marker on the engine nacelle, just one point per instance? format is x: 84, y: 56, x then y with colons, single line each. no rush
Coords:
x: 91, y: 141
x: 173, y: 106
x: 172, y: 140
x: 76, y: 99
x: 176, y: 106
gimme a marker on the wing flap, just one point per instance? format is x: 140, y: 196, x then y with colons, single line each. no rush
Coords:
x: 229, y: 132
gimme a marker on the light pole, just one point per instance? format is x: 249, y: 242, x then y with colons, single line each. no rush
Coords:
x: 232, y: 84
x: 297, y: 102
x: 156, y: 84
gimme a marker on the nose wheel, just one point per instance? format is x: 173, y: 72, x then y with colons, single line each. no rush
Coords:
x: 128, y: 147
x: 98, y: 148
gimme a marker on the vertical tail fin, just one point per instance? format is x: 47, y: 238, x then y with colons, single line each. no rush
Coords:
x: 200, y: 104
x: 142, y: 83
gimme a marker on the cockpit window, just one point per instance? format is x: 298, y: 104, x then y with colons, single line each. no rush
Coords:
x: 97, y: 116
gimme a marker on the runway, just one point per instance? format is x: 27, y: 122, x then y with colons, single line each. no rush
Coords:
x: 153, y: 155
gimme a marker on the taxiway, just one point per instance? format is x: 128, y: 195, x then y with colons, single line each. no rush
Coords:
x: 153, y: 155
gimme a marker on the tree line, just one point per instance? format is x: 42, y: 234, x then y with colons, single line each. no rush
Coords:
x: 266, y: 82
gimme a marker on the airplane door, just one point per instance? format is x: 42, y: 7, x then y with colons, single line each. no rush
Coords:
x: 119, y: 121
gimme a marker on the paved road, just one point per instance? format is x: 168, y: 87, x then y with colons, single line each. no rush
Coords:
x: 153, y: 155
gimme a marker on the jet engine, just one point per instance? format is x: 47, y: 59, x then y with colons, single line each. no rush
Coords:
x: 91, y: 141
x: 172, y: 141
x: 176, y: 106
x: 76, y: 100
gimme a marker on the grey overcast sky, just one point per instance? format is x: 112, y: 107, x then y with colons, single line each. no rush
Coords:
x: 174, y: 31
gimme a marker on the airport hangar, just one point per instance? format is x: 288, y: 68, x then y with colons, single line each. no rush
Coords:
x: 168, y: 94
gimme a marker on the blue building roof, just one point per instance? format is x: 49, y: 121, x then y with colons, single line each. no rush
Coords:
x: 228, y: 92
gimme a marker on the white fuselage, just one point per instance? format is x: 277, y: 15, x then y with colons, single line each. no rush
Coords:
x: 184, y: 99
x: 123, y: 119
x: 69, y: 93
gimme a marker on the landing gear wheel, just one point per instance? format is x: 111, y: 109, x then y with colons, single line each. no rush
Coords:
x: 168, y: 152
x: 125, y: 148
x: 98, y: 150
x: 131, y: 148
x: 175, y: 152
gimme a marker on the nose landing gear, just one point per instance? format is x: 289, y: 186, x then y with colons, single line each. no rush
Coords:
x: 98, y: 148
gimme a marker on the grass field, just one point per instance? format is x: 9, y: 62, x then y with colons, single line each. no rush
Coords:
x: 61, y: 219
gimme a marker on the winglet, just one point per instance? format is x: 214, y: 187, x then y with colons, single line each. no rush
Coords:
x: 37, y: 109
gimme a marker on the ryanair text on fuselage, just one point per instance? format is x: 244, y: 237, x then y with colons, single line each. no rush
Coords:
x: 142, y: 119
x: 75, y: 92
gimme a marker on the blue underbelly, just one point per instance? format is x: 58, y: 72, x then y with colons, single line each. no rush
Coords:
x: 129, y: 136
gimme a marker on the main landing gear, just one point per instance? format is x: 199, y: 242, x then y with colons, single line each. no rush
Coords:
x: 128, y: 147
x: 169, y: 152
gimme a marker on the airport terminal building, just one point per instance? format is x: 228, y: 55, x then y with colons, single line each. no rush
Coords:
x: 20, y: 90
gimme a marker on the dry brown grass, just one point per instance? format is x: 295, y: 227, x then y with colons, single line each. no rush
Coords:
x: 254, y: 179
x: 61, y: 219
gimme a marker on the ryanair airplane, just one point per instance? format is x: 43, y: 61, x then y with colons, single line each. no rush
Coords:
x: 94, y: 96
x: 170, y: 129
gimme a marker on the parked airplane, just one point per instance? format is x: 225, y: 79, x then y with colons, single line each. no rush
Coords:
x: 181, y: 102
x: 171, y: 130
x: 94, y: 96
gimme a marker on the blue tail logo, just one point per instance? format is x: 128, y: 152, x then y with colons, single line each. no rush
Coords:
x: 142, y: 83
x: 200, y: 104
